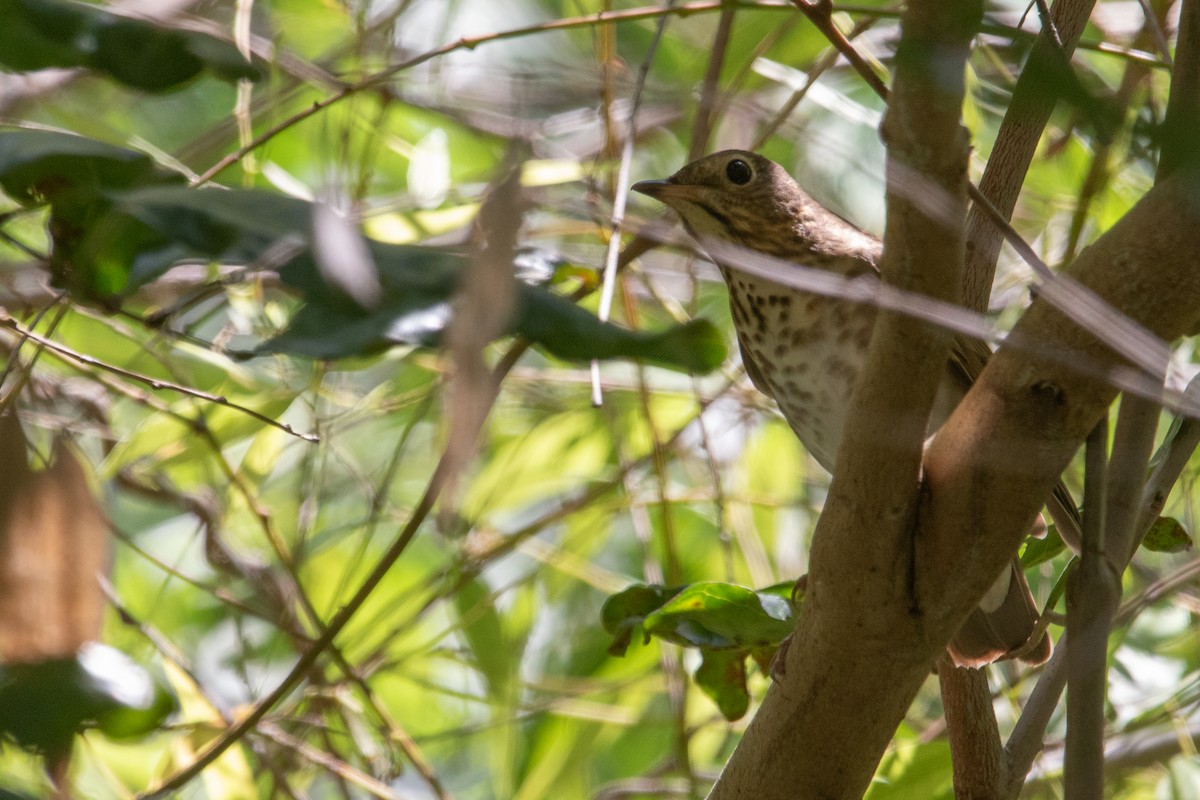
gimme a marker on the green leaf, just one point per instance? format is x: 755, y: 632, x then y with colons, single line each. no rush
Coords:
x: 625, y: 611
x: 38, y: 34
x: 483, y: 629
x: 417, y: 282
x: 238, y: 226
x: 1167, y: 535
x: 37, y: 164
x: 43, y: 704
x: 112, y: 235
x: 788, y: 590
x: 1037, y: 551
x: 571, y: 333
x: 722, y: 616
x: 722, y: 676
x: 914, y: 770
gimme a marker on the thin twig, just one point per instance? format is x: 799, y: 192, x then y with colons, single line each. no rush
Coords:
x: 820, y: 13
x: 14, y: 361
x: 157, y: 384
x: 420, y: 512
x: 822, y: 65
x: 621, y: 195
x: 322, y: 758
x: 464, y: 43
x: 1048, y: 24
x: 1156, y: 30
x: 706, y: 113
x: 309, y: 657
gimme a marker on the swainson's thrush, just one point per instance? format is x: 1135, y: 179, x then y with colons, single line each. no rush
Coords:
x: 806, y: 350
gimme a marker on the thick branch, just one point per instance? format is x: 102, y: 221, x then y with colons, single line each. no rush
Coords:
x: 980, y: 767
x: 998, y: 456
x: 853, y: 670
x: 877, y: 616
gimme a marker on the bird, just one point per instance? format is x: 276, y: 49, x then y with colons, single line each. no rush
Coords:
x: 806, y: 351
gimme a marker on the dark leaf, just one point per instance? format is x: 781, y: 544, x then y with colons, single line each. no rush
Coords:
x: 43, y: 704
x: 112, y: 235
x: 626, y: 610
x: 722, y: 676
x: 417, y: 284
x: 37, y: 165
x: 38, y: 34
x: 572, y: 333
x: 238, y: 226
x: 1167, y: 535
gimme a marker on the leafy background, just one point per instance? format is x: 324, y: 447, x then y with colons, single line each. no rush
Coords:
x: 479, y: 667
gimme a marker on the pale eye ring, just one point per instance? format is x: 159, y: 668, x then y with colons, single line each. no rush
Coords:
x: 739, y: 172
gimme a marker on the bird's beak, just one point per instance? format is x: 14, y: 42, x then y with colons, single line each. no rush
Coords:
x: 665, y: 191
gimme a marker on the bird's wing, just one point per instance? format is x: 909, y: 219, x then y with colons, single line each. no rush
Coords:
x: 756, y: 376
x: 969, y: 355
x: 1005, y: 628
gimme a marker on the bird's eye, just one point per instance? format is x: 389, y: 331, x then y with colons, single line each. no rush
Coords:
x: 738, y: 172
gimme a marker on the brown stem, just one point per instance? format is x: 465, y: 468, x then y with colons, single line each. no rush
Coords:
x: 847, y: 679
x: 1026, y: 740
x: 980, y: 768
x: 1027, y: 406
x: 1092, y: 591
x: 820, y: 14
x: 706, y: 114
x: 1016, y: 142
x: 1183, y: 105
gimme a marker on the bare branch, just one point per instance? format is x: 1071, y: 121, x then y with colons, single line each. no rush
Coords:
x: 67, y: 353
x: 859, y: 606
x: 980, y: 768
x: 1183, y: 106
x: 1016, y: 142
x: 1093, y: 591
x: 1021, y: 424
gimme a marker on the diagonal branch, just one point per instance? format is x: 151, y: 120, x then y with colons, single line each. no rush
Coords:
x: 1183, y: 105
x: 859, y: 640
x: 1019, y: 427
x: 1016, y: 142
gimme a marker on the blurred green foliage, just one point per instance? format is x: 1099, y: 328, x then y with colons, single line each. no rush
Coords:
x: 479, y: 668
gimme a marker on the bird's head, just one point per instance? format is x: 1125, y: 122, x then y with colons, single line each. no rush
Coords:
x: 733, y: 195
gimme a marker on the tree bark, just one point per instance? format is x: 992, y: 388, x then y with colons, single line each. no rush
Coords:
x: 861, y: 649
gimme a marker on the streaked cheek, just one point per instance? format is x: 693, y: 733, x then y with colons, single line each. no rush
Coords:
x: 700, y: 223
